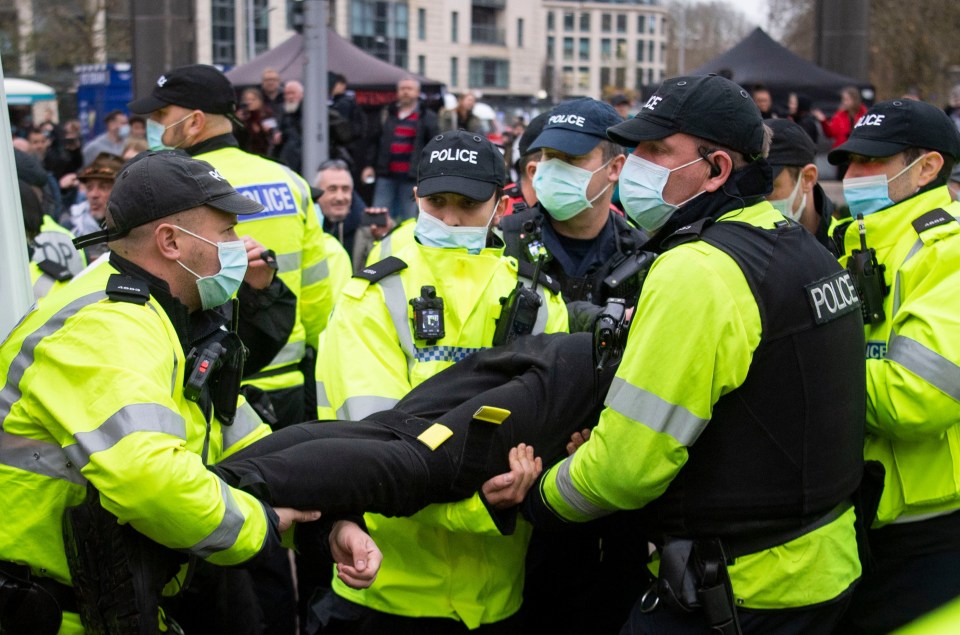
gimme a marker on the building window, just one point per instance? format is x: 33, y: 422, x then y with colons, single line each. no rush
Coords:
x: 567, y: 48
x: 551, y: 21
x: 568, y: 19
x: 621, y: 49
x: 584, y: 22
x: 484, y: 28
x: 422, y: 24
x: 621, y: 77
x: 454, y: 30
x: 381, y: 28
x: 567, y: 78
x: 639, y: 86
x: 223, y: 22
x: 605, y: 22
x: 583, y: 80
x: 663, y: 52
x: 604, y: 77
x: 584, y: 49
x: 489, y: 73
x: 621, y: 23
x: 261, y: 31
x: 650, y: 51
x: 454, y: 72
x: 421, y: 65
x: 551, y: 43
x: 641, y: 23
x: 606, y: 49
x: 519, y: 33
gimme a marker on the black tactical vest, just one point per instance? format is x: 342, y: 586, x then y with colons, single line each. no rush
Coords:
x: 785, y: 447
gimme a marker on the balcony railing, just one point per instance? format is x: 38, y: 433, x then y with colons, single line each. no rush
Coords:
x: 482, y: 34
x: 490, y: 4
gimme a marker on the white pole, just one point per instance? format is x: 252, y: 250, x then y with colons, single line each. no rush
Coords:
x: 16, y: 292
x: 316, y: 142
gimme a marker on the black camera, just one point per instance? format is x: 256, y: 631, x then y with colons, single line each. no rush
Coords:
x: 610, y: 333
x: 428, y: 315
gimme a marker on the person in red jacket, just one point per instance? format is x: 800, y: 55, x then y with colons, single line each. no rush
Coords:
x: 840, y: 125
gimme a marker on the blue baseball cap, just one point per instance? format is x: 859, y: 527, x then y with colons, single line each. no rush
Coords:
x: 575, y: 127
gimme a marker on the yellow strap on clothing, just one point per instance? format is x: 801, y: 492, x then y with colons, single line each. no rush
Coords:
x: 434, y: 436
x: 491, y: 414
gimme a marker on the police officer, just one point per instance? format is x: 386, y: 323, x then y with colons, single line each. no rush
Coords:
x: 733, y: 421
x: 96, y: 397
x: 191, y: 107
x: 401, y: 321
x: 796, y: 192
x: 522, y: 195
x: 574, y: 183
x: 901, y: 154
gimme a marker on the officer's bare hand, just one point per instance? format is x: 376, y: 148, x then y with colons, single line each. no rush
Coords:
x: 356, y: 554
x: 576, y: 440
x: 506, y: 490
x: 259, y: 272
x: 289, y: 516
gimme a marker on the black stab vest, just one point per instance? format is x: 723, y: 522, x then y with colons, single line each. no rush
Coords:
x: 786, y: 446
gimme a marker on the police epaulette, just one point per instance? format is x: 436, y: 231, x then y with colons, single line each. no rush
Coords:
x: 380, y: 270
x: 686, y: 234
x: 526, y: 270
x: 121, y: 288
x: 55, y: 270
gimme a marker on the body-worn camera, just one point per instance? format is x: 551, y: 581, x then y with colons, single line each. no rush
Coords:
x: 610, y: 333
x: 867, y: 276
x: 428, y: 315
x: 626, y: 279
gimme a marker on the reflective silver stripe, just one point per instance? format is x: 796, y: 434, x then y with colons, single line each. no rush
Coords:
x: 322, y: 401
x: 572, y: 497
x: 926, y: 364
x: 245, y: 422
x: 314, y: 274
x: 138, y: 417
x: 289, y: 262
x: 42, y: 286
x: 301, y: 186
x: 291, y: 353
x: 915, y: 518
x: 386, y: 246
x: 39, y: 457
x: 896, y: 285
x: 396, y: 300
x: 11, y: 391
x: 655, y: 413
x: 542, y: 313
x: 226, y: 534
x: 356, y: 408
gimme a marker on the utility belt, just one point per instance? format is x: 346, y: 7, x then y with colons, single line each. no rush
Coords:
x: 32, y: 604
x: 693, y: 572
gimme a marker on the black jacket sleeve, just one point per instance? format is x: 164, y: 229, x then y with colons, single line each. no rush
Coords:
x: 266, y: 321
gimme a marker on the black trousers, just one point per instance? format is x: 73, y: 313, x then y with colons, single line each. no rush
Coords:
x: 547, y: 382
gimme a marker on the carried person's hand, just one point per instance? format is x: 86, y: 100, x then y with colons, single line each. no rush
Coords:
x: 576, y: 440
x: 288, y: 516
x: 507, y: 490
x: 357, y: 556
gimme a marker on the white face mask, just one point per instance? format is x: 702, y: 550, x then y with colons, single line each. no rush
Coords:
x: 433, y: 232
x: 562, y: 188
x: 786, y: 205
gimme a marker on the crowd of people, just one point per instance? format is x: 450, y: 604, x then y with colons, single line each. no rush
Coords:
x: 632, y: 371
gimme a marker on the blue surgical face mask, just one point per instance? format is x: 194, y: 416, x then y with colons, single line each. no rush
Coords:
x: 562, y: 188
x: 785, y: 205
x: 124, y: 131
x: 641, y: 192
x: 220, y: 287
x: 155, y: 131
x: 868, y: 194
x: 433, y: 232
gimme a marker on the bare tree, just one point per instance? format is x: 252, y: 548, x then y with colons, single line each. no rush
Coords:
x: 704, y: 30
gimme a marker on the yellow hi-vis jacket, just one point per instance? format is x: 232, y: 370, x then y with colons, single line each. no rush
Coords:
x: 698, y: 319
x: 93, y: 393
x: 311, y: 263
x: 913, y: 356
x: 447, y: 561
